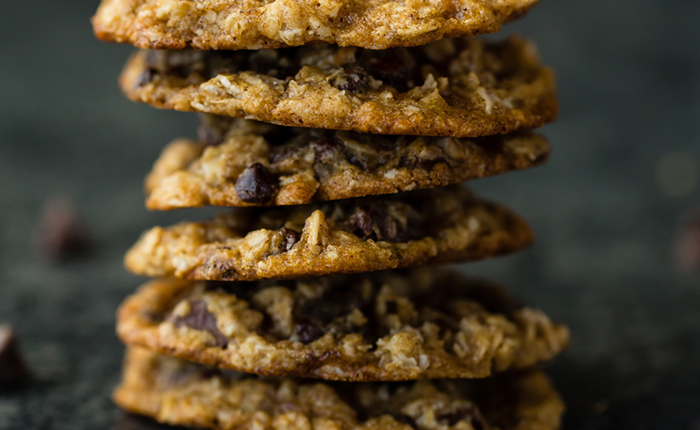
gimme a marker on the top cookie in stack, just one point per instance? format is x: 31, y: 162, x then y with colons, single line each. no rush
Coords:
x: 342, y: 174
x: 226, y: 24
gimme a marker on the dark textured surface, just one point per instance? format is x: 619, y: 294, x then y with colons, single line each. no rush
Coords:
x: 629, y: 74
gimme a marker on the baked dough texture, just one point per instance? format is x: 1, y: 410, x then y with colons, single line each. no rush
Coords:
x: 386, y: 326
x: 454, y: 87
x: 441, y: 225
x: 256, y: 24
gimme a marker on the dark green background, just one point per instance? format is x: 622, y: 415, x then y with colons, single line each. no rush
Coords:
x: 629, y: 78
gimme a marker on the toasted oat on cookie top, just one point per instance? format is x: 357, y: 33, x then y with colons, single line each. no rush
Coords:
x: 228, y: 24
x: 246, y: 163
x: 454, y: 87
x: 400, y: 230
x: 177, y: 392
x: 386, y: 326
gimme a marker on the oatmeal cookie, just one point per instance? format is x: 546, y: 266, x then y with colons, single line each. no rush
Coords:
x: 386, y: 326
x: 227, y: 24
x: 297, y: 166
x: 176, y: 392
x: 453, y: 87
x: 400, y: 230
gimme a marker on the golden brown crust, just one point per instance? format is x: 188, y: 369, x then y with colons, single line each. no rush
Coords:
x: 310, y: 165
x: 225, y: 24
x: 179, y: 393
x: 454, y: 87
x: 387, y: 326
x: 347, y: 236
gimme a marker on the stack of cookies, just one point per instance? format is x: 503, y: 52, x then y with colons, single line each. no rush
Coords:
x: 337, y: 133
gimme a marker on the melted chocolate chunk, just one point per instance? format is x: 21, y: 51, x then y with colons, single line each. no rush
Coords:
x: 256, y: 184
x: 12, y: 367
x: 395, y: 66
x: 200, y: 318
x: 422, y: 163
x: 369, y: 223
x: 308, y: 330
x: 354, y: 80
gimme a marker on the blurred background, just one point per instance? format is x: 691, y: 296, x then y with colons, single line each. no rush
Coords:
x: 613, y: 209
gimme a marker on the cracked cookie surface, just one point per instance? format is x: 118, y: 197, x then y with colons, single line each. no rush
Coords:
x: 386, y: 326
x: 246, y: 163
x: 441, y: 225
x: 176, y: 392
x: 453, y: 87
x: 256, y: 24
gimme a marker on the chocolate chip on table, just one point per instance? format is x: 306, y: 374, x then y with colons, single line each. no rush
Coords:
x: 200, y: 318
x: 61, y: 233
x: 308, y: 330
x: 12, y: 367
x: 256, y: 184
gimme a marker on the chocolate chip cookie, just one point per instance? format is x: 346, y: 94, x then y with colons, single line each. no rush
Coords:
x: 246, y: 163
x: 387, y: 326
x: 227, y: 24
x: 177, y: 392
x: 454, y: 87
x: 446, y: 224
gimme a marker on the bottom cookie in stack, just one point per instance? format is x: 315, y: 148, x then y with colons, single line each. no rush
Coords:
x: 177, y: 392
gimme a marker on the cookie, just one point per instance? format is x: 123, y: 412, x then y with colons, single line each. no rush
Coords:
x: 453, y: 87
x: 400, y: 230
x: 385, y: 326
x: 310, y: 165
x: 176, y: 392
x: 225, y: 24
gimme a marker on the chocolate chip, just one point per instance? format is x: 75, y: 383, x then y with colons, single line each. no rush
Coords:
x: 200, y: 318
x: 326, y: 149
x: 12, y: 367
x: 290, y: 238
x: 369, y: 223
x: 61, y: 233
x: 256, y: 184
x: 421, y: 163
x: 391, y: 307
x: 354, y: 79
x: 308, y: 330
x: 145, y: 77
x: 395, y: 66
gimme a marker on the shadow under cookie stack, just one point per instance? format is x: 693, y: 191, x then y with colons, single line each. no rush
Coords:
x: 338, y: 133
